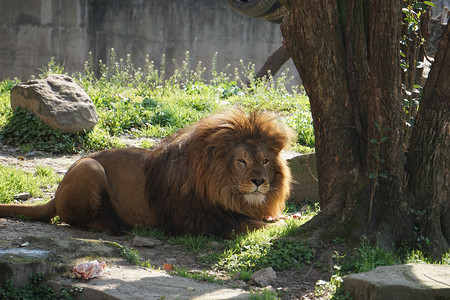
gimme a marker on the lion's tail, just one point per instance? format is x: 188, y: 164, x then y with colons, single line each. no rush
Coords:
x: 42, y: 212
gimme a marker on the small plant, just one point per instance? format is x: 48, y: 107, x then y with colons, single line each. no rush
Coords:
x: 266, y: 247
x: 132, y: 256
x: 368, y: 258
x: 203, y: 276
x: 14, y: 181
x: 193, y: 244
x: 35, y: 290
x: 265, y: 294
x: 52, y: 68
x: 376, y: 174
x: 423, y: 243
x: 29, y: 132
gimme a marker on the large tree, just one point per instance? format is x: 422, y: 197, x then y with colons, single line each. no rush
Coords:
x: 348, y: 55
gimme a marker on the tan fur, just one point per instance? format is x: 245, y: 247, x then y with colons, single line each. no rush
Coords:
x: 221, y: 175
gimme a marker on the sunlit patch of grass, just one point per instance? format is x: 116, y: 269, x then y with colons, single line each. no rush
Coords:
x: 271, y: 246
x: 14, y: 181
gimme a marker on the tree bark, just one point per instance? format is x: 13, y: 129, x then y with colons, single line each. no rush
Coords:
x: 348, y: 58
x: 429, y: 156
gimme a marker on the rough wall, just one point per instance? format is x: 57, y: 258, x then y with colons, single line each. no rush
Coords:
x: 32, y: 31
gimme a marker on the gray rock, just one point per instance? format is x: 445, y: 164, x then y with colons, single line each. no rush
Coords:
x: 58, y: 101
x: 263, y: 277
x: 401, y: 282
x: 23, y: 196
x: 140, y: 241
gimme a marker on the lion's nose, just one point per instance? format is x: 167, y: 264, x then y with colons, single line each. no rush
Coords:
x: 258, y: 181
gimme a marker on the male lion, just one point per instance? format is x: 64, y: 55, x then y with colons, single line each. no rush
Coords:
x: 221, y: 175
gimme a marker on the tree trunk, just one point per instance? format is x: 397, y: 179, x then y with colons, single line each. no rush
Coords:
x: 348, y: 58
x: 429, y: 156
x: 347, y: 54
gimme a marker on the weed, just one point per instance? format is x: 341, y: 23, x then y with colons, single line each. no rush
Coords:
x: 35, y: 290
x: 368, y: 257
x: 265, y: 294
x: 149, y: 232
x: 203, y: 276
x: 194, y: 244
x: 14, y: 181
x: 29, y: 132
x: 52, y: 68
x: 264, y: 248
x: 132, y: 256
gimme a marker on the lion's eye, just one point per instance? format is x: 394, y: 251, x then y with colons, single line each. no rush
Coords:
x: 265, y: 161
x: 242, y: 162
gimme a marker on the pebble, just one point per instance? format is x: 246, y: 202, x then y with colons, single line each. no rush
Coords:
x: 139, y: 241
x: 23, y: 196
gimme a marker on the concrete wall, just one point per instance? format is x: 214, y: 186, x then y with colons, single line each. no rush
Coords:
x: 32, y: 31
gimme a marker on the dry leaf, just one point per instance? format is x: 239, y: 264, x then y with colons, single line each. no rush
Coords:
x: 168, y: 268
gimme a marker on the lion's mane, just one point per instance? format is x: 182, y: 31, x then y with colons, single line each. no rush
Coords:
x: 189, y: 178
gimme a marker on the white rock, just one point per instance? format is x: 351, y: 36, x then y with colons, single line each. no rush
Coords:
x: 263, y: 277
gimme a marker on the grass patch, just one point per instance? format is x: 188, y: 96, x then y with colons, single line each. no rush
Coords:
x: 14, y: 181
x: 196, y: 244
x: 35, y: 290
x: 267, y: 247
x: 198, y: 275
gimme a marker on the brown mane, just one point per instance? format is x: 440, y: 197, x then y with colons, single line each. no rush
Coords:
x: 194, y: 164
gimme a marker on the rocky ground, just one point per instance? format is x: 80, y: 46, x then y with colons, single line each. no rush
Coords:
x: 293, y: 284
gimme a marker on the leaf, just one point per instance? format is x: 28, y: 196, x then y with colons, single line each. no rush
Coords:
x: 372, y: 176
x: 377, y: 126
x: 384, y: 139
x: 373, y: 141
x: 168, y: 268
x: 383, y: 175
x: 429, y: 3
x: 411, y: 27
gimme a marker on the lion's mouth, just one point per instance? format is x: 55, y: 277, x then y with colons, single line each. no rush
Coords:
x: 255, y: 199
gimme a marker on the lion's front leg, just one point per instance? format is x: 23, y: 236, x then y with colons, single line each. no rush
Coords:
x: 250, y: 225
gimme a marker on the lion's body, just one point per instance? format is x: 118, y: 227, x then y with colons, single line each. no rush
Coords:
x: 220, y: 175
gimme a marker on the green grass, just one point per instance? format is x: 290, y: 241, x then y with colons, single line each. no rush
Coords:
x: 35, y: 290
x: 145, y: 102
x: 14, y: 181
x: 268, y: 247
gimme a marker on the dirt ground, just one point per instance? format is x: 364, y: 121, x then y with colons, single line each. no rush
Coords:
x: 293, y: 284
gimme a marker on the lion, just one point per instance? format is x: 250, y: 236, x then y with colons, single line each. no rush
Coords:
x: 220, y: 176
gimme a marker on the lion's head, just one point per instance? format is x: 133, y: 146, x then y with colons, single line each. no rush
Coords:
x: 234, y: 162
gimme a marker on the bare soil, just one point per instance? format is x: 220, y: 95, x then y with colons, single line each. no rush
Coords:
x: 291, y: 284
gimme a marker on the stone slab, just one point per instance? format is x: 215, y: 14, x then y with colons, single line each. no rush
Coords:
x: 132, y: 282
x: 304, y: 174
x: 400, y: 282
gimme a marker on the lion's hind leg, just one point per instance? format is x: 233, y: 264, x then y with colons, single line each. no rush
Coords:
x: 83, y: 198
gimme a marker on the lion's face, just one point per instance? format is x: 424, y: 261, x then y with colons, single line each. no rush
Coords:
x: 253, y: 172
